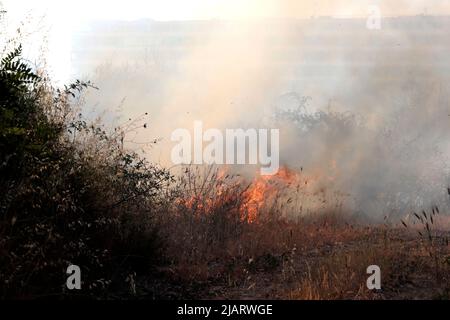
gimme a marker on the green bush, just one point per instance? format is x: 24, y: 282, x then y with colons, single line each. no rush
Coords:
x: 69, y: 193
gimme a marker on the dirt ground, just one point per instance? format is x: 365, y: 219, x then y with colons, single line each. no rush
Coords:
x: 413, y: 266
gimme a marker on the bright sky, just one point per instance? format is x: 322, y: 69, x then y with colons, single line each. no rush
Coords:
x: 63, y: 16
x: 226, y: 9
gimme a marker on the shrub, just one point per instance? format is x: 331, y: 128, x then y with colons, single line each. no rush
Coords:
x: 70, y: 193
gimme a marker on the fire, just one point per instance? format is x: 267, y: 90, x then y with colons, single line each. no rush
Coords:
x: 287, y: 187
x: 211, y: 191
x: 254, y: 199
x: 264, y: 189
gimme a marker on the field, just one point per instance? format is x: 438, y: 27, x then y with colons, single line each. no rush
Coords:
x: 72, y: 194
x: 218, y: 250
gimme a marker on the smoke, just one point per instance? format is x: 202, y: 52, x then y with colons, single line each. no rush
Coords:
x: 383, y: 137
x: 375, y: 125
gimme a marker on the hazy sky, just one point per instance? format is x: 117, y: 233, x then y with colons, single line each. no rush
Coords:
x: 225, y: 9
x: 63, y: 17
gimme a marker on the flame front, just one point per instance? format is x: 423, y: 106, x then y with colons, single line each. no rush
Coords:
x: 261, y: 195
x: 264, y: 190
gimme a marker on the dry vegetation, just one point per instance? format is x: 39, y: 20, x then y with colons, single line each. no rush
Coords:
x: 70, y: 193
x: 216, y: 252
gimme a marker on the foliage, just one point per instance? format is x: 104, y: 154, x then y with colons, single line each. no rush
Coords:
x: 70, y: 194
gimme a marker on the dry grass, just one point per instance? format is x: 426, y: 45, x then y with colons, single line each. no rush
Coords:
x: 216, y: 252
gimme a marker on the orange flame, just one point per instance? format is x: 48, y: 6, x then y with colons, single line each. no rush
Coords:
x: 264, y: 189
x: 260, y: 194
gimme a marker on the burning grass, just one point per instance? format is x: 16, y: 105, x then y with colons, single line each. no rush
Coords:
x: 228, y: 237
